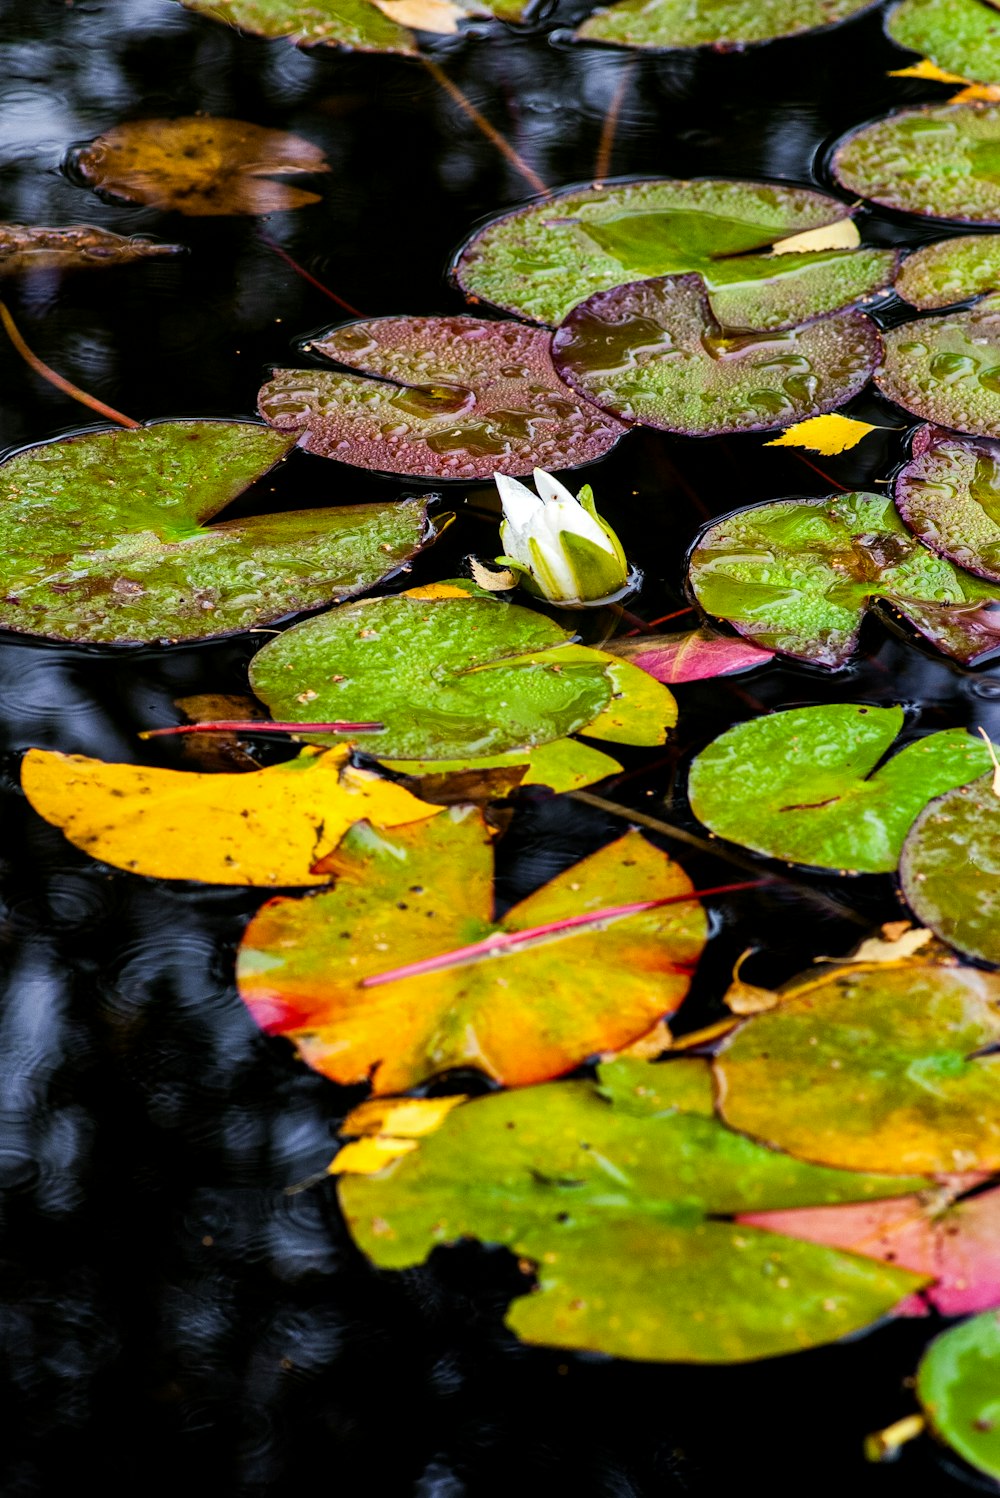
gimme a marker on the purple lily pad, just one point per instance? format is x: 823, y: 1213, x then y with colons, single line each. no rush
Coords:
x: 949, y: 495
x: 653, y: 353
x: 441, y: 398
x: 947, y: 369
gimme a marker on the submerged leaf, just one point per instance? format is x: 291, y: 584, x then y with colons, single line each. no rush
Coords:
x: 958, y: 1382
x: 892, y: 1068
x: 726, y: 25
x: 448, y: 397
x: 938, y: 160
x: 950, y: 869
x: 521, y: 1014
x: 947, y: 369
x: 266, y: 827
x: 25, y: 248
x: 802, y: 785
x: 653, y: 353
x: 951, y: 270
x: 827, y: 435
x: 799, y: 575
x: 126, y: 555
x: 620, y: 1194
x: 199, y: 166
x: 591, y: 239
x: 960, y: 36
x: 693, y: 655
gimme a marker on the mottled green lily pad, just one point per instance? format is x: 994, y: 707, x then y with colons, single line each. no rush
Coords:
x: 726, y: 25
x: 619, y: 1193
x: 104, y: 537
x: 939, y: 160
x: 358, y: 25
x: 881, y: 1068
x: 539, y: 262
x: 949, y: 495
x: 958, y: 1384
x: 448, y: 397
x: 652, y: 353
x: 951, y: 270
x: 450, y: 678
x: 960, y: 36
x: 802, y: 785
x: 799, y: 576
x: 947, y: 369
x: 950, y: 869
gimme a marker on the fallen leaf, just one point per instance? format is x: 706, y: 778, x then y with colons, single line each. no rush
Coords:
x: 382, y: 1129
x: 898, y: 942
x: 424, y: 15
x: 843, y: 235
x: 492, y: 579
x: 827, y: 435
x: 199, y: 166
x: 927, y: 70
x: 266, y: 827
x: 26, y: 248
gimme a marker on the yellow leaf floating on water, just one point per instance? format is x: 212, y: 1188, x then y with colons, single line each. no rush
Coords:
x: 976, y: 93
x: 842, y: 235
x: 387, y: 1128
x: 424, y: 15
x: 267, y: 828
x: 827, y: 435
x: 927, y: 70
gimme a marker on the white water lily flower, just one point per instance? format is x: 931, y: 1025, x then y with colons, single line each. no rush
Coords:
x: 560, y: 545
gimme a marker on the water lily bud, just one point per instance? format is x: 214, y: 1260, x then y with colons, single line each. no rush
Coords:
x: 559, y: 546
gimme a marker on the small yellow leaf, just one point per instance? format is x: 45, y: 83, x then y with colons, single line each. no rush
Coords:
x: 929, y: 71
x: 893, y: 945
x: 843, y: 235
x: 437, y: 590
x: 491, y: 579
x: 423, y: 15
x: 401, y: 1117
x: 996, y: 762
x: 977, y: 93
x: 827, y: 435
x: 363, y: 1157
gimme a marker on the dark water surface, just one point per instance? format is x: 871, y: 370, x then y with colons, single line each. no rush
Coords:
x: 172, y: 1320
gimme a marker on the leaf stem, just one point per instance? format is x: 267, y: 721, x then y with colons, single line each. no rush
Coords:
x: 483, y: 125
x: 602, y: 165
x: 300, y: 270
x: 251, y: 725
x: 66, y: 386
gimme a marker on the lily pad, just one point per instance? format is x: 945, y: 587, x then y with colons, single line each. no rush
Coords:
x: 802, y: 785
x: 958, y: 1384
x: 949, y: 495
x: 521, y: 1013
x: 950, y: 869
x: 619, y: 1193
x: 693, y: 655
x: 951, y: 270
x: 799, y: 576
x: 726, y: 25
x: 562, y: 765
x: 268, y: 827
x: 947, y: 369
x: 25, y: 248
x: 891, y: 1068
x: 653, y: 353
x: 539, y: 262
x: 439, y: 397
x: 358, y: 25
x: 938, y: 160
x: 960, y: 36
x: 104, y: 537
x: 199, y: 166
x: 452, y: 678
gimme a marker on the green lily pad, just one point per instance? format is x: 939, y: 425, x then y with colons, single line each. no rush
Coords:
x: 951, y: 270
x: 439, y: 397
x: 881, y: 1068
x: 562, y: 765
x: 358, y: 25
x: 726, y: 25
x: 104, y: 537
x: 960, y: 36
x: 450, y: 678
x: 799, y: 576
x: 958, y: 1384
x: 802, y: 785
x: 539, y: 262
x: 947, y: 369
x: 619, y: 1194
x: 949, y: 496
x: 938, y: 160
x: 652, y: 353
x: 950, y: 869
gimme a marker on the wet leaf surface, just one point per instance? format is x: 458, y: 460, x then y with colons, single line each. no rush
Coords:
x: 452, y: 397
x: 521, y: 1015
x: 126, y: 554
x: 454, y: 679
x: 358, y: 25
x: 949, y: 495
x: 950, y: 869
x: 938, y: 160
x: 958, y: 1382
x: 595, y: 238
x: 799, y: 576
x: 199, y: 166
x: 951, y: 270
x: 26, y: 248
x: 652, y: 353
x: 947, y: 369
x: 886, y: 1069
x: 692, y: 655
x: 265, y: 827
x: 962, y: 36
x: 802, y: 784
x: 562, y: 765
x: 619, y: 1194
x: 723, y: 24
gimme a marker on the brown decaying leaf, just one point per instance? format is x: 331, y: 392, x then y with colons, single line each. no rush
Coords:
x: 25, y: 248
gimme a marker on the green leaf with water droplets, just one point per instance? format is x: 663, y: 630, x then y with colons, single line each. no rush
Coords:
x: 938, y: 160
x: 664, y: 25
x: 947, y: 369
x: 950, y: 869
x: 960, y: 36
x: 951, y: 270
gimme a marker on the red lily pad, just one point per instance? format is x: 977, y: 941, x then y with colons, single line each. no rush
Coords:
x: 690, y: 655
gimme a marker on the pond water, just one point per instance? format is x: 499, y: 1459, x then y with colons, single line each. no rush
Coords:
x: 171, y: 1316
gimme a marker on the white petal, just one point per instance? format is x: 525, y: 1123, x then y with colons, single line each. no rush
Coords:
x: 576, y: 519
x: 550, y: 488
x: 519, y: 504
